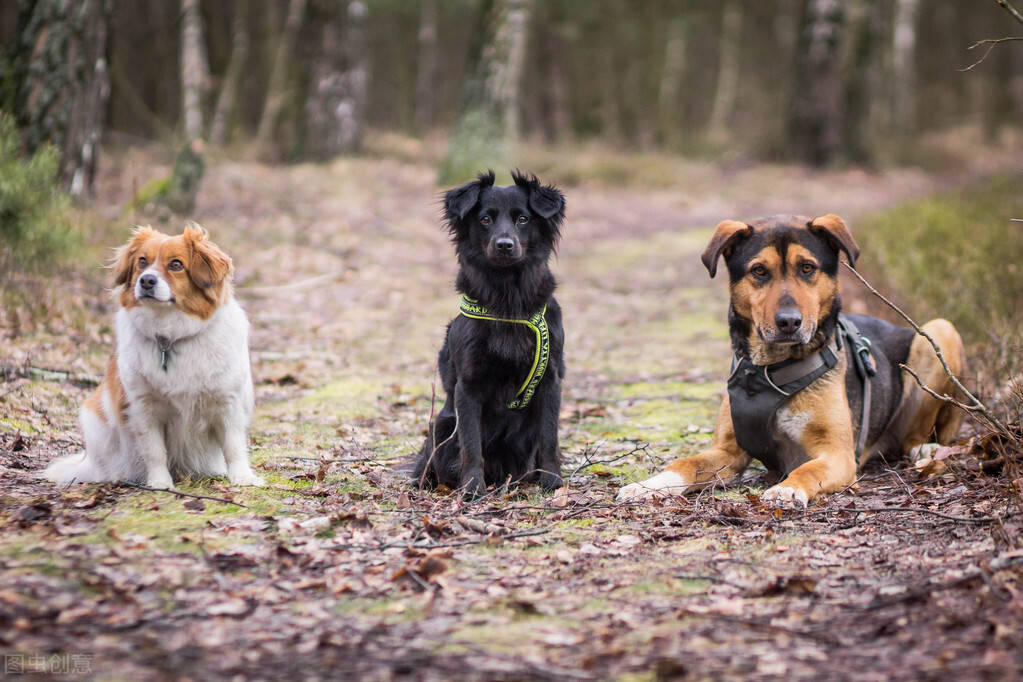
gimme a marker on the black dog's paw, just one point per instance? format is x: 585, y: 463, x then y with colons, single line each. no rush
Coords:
x: 549, y: 481
x: 473, y: 485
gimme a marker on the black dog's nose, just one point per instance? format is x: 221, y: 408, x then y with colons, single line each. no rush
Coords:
x: 504, y: 244
x: 147, y: 282
x: 788, y: 320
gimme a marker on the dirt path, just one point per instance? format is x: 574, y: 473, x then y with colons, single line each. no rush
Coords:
x: 340, y: 569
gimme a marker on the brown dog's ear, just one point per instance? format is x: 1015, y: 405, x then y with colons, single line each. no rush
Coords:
x: 833, y: 228
x: 124, y: 259
x: 726, y: 236
x: 209, y: 267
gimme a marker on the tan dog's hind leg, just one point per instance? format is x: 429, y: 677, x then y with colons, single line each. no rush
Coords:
x: 924, y: 419
x: 722, y: 463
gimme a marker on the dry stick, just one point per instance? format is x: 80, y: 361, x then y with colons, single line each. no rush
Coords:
x: 976, y: 406
x: 990, y: 42
x: 181, y: 494
x: 1004, y: 4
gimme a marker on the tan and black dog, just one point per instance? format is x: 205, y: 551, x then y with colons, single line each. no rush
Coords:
x: 796, y: 396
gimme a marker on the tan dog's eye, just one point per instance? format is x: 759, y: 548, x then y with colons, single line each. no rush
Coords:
x: 808, y: 268
x: 175, y: 265
x: 758, y: 271
x: 143, y: 261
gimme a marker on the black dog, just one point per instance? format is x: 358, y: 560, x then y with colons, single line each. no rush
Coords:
x: 502, y: 363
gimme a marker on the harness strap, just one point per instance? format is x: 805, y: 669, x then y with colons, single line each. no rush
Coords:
x: 865, y: 369
x: 538, y: 323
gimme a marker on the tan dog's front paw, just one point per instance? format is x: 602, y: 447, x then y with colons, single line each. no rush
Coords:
x: 783, y: 496
x: 663, y: 484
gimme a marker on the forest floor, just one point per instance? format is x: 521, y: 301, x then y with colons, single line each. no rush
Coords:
x: 339, y: 568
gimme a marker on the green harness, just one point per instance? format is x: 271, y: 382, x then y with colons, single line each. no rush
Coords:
x: 538, y: 323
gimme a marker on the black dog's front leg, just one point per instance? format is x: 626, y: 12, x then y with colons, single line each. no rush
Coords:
x: 549, y: 460
x: 469, y: 415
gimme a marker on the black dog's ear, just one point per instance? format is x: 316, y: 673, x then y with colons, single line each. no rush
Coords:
x: 547, y: 201
x: 833, y: 228
x: 460, y: 200
x: 726, y: 236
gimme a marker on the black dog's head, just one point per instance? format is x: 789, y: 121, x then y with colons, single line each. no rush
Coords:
x: 783, y: 273
x: 507, y: 226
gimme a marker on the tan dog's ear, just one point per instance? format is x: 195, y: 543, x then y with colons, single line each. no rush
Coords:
x: 726, y: 236
x: 833, y: 228
x: 124, y: 260
x: 209, y: 266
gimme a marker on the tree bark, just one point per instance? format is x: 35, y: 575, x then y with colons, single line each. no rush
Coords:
x: 192, y: 69
x: 277, y: 89
x: 426, y: 73
x: 62, y: 83
x: 866, y: 23
x: 728, y: 70
x: 334, y: 108
x: 815, y: 107
x: 904, y: 66
x: 228, y: 98
x: 668, y: 103
x: 503, y: 58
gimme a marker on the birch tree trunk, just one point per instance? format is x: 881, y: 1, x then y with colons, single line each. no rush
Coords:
x: 903, y: 66
x: 815, y: 106
x: 727, y: 88
x: 228, y: 97
x: 192, y: 69
x: 277, y: 89
x: 62, y: 83
x: 668, y: 102
x: 334, y: 108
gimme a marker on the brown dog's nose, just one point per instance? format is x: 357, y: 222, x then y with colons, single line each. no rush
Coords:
x: 788, y: 320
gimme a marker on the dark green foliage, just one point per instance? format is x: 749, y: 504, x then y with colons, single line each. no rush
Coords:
x: 35, y: 229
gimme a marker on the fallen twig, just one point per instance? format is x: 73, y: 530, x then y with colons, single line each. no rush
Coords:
x: 997, y: 564
x: 182, y: 494
x: 270, y: 289
x: 918, y: 510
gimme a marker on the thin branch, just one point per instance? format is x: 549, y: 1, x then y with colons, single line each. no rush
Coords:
x: 976, y: 406
x: 920, y: 510
x: 181, y: 494
x: 1004, y: 4
x: 991, y: 43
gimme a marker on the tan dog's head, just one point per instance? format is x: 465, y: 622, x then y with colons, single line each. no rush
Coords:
x: 187, y: 271
x: 783, y: 273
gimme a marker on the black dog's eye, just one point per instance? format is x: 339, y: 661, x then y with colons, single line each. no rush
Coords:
x: 522, y: 220
x: 758, y: 271
x: 175, y: 265
x: 485, y: 220
x: 807, y: 268
x: 143, y: 262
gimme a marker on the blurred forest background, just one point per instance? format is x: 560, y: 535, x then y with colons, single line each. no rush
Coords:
x: 813, y: 81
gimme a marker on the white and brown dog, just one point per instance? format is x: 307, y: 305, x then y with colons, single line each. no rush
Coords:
x: 177, y: 398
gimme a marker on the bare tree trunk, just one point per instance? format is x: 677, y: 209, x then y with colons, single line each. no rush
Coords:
x: 728, y: 70
x: 903, y: 66
x: 334, y: 109
x: 560, y: 127
x: 192, y: 70
x: 503, y: 58
x: 815, y: 107
x: 63, y: 84
x: 668, y: 104
x: 228, y: 97
x: 277, y: 89
x: 866, y: 23
x: 426, y: 74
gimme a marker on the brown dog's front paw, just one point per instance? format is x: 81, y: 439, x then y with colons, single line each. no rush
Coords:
x: 784, y: 496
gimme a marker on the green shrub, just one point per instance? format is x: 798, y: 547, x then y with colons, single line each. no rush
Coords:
x: 35, y: 228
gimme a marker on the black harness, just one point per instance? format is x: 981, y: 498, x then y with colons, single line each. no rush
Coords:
x: 756, y: 392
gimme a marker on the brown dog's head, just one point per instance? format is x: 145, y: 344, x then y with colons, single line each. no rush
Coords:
x: 783, y: 273
x: 187, y: 271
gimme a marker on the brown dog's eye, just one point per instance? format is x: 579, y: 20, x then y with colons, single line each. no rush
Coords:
x: 808, y: 268
x: 485, y: 220
x: 758, y: 271
x: 175, y: 265
x: 143, y: 261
